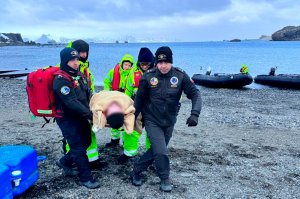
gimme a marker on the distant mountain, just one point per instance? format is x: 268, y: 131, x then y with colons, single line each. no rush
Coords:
x: 288, y: 33
x: 45, y: 39
x: 14, y: 39
x: 11, y: 38
x: 265, y: 38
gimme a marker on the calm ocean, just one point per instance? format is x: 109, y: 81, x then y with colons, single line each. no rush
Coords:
x: 223, y: 57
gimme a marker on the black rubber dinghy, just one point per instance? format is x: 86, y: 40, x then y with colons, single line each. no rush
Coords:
x: 7, y: 71
x: 281, y: 80
x: 220, y: 80
x: 15, y: 74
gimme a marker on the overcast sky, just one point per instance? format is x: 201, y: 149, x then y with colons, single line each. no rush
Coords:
x: 161, y: 20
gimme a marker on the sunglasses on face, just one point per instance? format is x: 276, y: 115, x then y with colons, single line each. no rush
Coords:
x: 145, y: 63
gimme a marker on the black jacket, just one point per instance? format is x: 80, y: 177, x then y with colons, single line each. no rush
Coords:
x: 72, y: 100
x: 158, y: 95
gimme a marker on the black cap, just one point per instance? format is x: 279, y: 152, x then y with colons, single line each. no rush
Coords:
x: 165, y: 54
x: 115, y: 120
x: 81, y: 46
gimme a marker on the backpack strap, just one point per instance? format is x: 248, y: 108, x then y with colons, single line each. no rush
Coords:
x: 64, y: 74
x: 67, y: 76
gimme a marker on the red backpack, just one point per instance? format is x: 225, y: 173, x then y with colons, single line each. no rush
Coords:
x: 40, y: 92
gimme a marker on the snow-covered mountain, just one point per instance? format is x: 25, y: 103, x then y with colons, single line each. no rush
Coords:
x: 46, y: 39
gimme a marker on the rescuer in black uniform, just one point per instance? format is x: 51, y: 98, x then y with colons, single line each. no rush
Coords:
x: 72, y: 98
x: 157, y: 98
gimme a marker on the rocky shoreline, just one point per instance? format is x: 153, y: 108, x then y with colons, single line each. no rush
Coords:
x: 247, y: 145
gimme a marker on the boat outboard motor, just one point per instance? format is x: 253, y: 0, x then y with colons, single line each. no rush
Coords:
x: 272, y: 71
x: 208, y: 71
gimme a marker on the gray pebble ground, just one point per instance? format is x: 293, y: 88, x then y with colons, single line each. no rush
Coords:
x: 247, y: 145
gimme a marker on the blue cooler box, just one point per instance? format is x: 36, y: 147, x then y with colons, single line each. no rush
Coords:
x: 5, y: 183
x: 22, y: 164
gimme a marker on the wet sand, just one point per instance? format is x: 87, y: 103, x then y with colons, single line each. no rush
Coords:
x: 247, y: 145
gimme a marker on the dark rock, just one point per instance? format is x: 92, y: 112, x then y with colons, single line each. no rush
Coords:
x: 288, y: 33
x: 235, y: 40
x: 11, y: 37
x: 14, y: 39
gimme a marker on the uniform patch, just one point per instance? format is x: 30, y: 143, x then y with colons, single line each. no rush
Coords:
x: 174, y: 81
x: 65, y: 90
x: 153, y: 81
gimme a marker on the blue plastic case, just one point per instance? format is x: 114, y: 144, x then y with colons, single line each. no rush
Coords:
x: 23, y: 166
x: 5, y: 183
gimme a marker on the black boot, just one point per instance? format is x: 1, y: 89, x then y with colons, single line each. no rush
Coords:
x: 113, y: 143
x: 68, y: 171
x: 91, y: 184
x: 165, y: 185
x: 98, y: 164
x: 136, y: 179
x: 122, y: 159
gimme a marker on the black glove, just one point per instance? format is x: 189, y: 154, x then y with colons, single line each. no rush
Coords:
x: 192, y: 120
x: 121, y: 90
x: 133, y: 97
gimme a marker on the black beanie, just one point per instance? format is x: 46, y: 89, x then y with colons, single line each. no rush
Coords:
x: 145, y: 55
x: 164, y: 53
x: 81, y: 46
x: 66, y: 55
x: 115, y: 120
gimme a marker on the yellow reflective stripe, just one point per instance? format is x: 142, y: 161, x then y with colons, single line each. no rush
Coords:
x: 130, y: 153
x: 44, y: 111
x: 92, y: 151
x: 93, y: 159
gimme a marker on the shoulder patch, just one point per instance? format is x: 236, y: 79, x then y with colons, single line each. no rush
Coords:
x: 179, y: 69
x: 65, y: 90
x: 151, y: 70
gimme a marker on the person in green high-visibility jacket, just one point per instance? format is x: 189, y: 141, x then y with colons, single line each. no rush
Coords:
x: 83, y: 49
x: 117, y: 76
x: 145, y: 62
x: 116, y: 81
x: 244, y: 69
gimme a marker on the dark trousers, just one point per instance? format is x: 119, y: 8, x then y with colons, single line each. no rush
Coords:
x: 159, y: 138
x: 77, y: 132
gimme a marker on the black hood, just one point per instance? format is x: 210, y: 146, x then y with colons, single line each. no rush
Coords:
x: 81, y: 46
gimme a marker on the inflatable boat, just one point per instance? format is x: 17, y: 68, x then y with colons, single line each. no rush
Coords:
x: 221, y: 80
x: 7, y: 71
x: 15, y: 74
x: 281, y: 80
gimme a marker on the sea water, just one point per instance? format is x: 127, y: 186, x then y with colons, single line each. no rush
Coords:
x: 193, y: 57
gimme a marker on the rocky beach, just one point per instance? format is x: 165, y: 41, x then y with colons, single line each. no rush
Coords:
x: 246, y: 145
